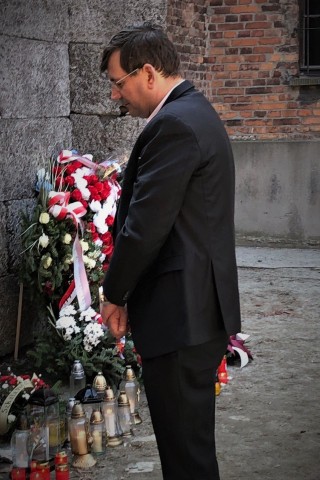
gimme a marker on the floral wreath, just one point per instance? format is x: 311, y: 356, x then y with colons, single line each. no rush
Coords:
x: 67, y: 247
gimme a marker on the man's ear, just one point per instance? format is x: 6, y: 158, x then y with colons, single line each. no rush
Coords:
x: 150, y: 73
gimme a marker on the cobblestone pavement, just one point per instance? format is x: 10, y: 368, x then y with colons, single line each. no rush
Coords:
x: 268, y: 417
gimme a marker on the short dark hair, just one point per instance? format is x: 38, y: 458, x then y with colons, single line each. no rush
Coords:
x: 140, y: 44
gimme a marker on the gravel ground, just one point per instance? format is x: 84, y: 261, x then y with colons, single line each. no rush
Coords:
x: 268, y: 417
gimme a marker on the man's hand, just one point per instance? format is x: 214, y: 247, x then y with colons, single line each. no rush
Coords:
x: 115, y: 318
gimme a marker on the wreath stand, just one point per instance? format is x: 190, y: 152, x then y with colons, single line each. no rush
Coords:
x: 18, y: 328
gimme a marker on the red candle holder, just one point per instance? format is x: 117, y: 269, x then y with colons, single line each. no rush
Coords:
x: 36, y: 476
x: 33, y: 465
x: 44, y: 470
x: 62, y: 472
x: 18, y: 473
x: 61, y: 458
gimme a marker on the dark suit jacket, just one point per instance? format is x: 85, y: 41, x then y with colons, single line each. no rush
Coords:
x: 174, y: 258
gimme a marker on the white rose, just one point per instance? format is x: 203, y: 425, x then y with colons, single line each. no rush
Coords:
x: 84, y: 245
x: 67, y: 239
x: 44, y: 218
x: 44, y: 240
x: 91, y: 263
x: 47, y: 261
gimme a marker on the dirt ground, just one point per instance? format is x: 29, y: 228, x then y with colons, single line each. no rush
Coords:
x: 268, y: 416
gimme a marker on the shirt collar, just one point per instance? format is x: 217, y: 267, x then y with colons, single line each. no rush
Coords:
x: 159, y: 106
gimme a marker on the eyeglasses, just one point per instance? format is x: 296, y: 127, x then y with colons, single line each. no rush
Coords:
x: 119, y: 83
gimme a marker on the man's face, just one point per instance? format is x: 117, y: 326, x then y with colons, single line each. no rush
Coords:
x: 131, y: 91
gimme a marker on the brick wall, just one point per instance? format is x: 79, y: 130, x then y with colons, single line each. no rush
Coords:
x: 241, y: 54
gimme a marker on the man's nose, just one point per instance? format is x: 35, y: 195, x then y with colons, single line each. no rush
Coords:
x: 115, y: 93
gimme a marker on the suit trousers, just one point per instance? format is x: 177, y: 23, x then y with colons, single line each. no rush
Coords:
x: 180, y: 389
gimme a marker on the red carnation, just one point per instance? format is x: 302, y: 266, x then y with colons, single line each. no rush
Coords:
x: 107, y: 250
x: 96, y: 197
x: 99, y: 186
x: 76, y: 195
x: 91, y: 227
x: 72, y: 167
x: 106, y: 188
x: 95, y: 236
x: 106, y: 238
x: 92, y: 190
x: 109, y: 220
x: 91, y: 179
x: 69, y: 180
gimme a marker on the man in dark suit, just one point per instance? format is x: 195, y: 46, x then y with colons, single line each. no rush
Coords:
x: 173, y: 274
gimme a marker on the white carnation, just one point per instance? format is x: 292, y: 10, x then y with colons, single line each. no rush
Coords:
x: 66, y: 322
x: 95, y: 205
x: 68, y: 310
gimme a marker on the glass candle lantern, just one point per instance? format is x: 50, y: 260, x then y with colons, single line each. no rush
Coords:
x: 80, y: 438
x: 45, y: 424
x: 100, y: 385
x: 78, y: 431
x: 98, y: 432
x: 89, y: 399
x: 130, y: 385
x: 70, y: 403
x: 19, y: 442
x: 109, y: 409
x: 124, y: 414
x: 77, y: 378
x: 63, y: 421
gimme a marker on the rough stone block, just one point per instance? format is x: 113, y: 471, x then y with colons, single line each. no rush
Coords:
x: 105, y: 136
x: 108, y: 17
x: 27, y: 145
x: 35, y: 19
x: 35, y: 78
x: 89, y: 90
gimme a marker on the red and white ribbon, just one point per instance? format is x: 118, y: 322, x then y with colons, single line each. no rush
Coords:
x: 60, y: 208
x: 66, y: 156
